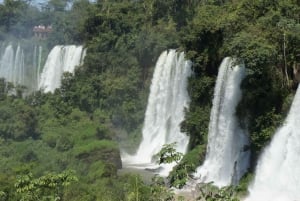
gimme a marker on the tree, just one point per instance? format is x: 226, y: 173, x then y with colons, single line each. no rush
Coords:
x: 11, y: 12
x: 49, y: 187
x: 209, y: 192
x: 168, y: 154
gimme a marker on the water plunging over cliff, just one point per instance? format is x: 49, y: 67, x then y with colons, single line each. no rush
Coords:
x: 60, y: 59
x: 165, y: 111
x: 226, y: 159
x: 24, y: 67
x: 277, y: 172
x: 12, y: 65
x: 14, y: 68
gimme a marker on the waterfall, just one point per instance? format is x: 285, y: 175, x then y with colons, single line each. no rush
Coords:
x: 7, y: 64
x: 18, y: 73
x: 165, y: 111
x: 60, y: 59
x: 226, y: 158
x: 277, y: 172
x: 39, y: 66
x: 35, y: 72
x: 14, y: 68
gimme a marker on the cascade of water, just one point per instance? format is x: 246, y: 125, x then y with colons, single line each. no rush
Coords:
x: 12, y: 67
x: 34, y: 74
x: 34, y: 71
x: 7, y: 64
x: 18, y: 72
x: 39, y: 66
x: 226, y: 159
x: 165, y: 111
x: 277, y: 172
x: 61, y: 59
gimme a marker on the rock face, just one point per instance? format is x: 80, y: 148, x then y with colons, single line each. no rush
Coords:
x: 106, y: 152
x: 111, y: 156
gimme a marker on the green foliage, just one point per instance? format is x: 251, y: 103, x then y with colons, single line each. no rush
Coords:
x: 209, y: 192
x: 198, y: 116
x: 251, y: 42
x: 159, y: 191
x: 180, y: 173
x: 168, y: 154
x: 253, y: 48
x: 242, y: 188
x: 196, y: 124
x: 265, y: 127
x: 64, y: 143
x: 105, y: 99
x: 18, y: 121
x: 46, y: 187
x: 185, y: 164
x: 11, y: 12
x: 94, y: 146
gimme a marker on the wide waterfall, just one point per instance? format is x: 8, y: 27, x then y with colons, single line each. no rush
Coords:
x: 226, y: 158
x: 61, y: 59
x: 24, y: 67
x: 277, y: 173
x: 165, y: 111
x: 15, y: 69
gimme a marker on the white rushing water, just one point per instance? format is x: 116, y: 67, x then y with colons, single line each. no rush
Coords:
x: 61, y: 59
x: 278, y: 171
x: 165, y: 111
x: 27, y: 72
x: 14, y: 68
x: 226, y: 159
x: 7, y: 64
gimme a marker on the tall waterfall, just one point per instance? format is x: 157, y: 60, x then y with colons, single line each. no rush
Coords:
x: 60, y: 59
x: 7, y: 64
x: 165, y: 111
x: 16, y: 69
x: 226, y: 159
x: 37, y: 62
x: 277, y: 173
x: 24, y: 68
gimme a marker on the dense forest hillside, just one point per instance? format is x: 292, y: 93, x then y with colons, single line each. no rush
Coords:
x: 66, y: 145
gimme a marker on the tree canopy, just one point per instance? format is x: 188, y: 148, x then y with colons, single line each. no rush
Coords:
x: 100, y: 109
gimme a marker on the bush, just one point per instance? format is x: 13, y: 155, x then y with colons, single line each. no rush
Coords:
x: 64, y: 143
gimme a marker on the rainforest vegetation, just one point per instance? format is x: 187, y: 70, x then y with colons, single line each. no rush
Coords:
x: 66, y: 145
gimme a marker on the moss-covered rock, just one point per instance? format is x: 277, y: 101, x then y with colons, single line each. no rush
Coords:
x: 104, y: 150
